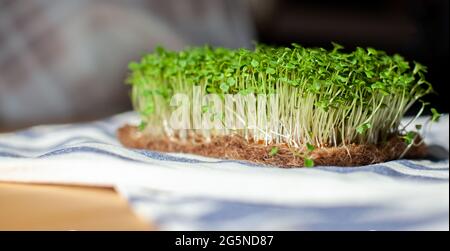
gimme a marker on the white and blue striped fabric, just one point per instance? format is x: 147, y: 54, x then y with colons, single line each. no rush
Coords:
x: 187, y: 192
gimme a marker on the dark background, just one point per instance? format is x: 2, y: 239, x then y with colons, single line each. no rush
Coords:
x: 418, y: 30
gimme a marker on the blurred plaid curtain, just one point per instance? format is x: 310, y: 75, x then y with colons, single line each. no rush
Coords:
x: 66, y: 59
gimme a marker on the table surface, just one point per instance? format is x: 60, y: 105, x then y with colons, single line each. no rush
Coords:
x: 53, y: 207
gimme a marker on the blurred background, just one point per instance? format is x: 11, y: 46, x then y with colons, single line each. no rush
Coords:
x: 66, y: 60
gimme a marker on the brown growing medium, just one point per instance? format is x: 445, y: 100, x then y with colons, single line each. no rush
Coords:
x: 237, y: 148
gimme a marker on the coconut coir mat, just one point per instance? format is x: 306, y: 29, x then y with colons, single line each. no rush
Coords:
x: 235, y: 147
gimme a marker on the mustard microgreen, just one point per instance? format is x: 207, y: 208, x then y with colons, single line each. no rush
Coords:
x: 435, y: 115
x: 308, y: 162
x: 142, y: 125
x: 273, y: 151
x: 409, y: 137
x: 310, y: 147
x: 325, y: 97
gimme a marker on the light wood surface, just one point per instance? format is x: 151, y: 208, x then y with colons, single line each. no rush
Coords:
x: 51, y: 207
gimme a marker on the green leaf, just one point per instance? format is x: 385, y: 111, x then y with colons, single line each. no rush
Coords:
x: 378, y: 85
x: 308, y: 162
x: 409, y: 137
x: 133, y: 66
x: 255, y: 63
x: 435, y: 115
x: 270, y: 71
x: 273, y: 151
x: 362, y: 128
x: 183, y: 63
x: 336, y: 46
x: 372, y: 51
x: 160, y: 50
x: 310, y: 147
x: 224, y: 87
x: 419, y: 68
x: 142, y: 125
x: 231, y: 81
x: 316, y: 86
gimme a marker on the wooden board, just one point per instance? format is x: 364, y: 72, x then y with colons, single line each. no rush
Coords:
x: 51, y: 207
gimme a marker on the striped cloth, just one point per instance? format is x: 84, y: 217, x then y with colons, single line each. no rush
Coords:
x: 187, y: 192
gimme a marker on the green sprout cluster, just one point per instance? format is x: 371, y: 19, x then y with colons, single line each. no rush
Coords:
x: 325, y: 97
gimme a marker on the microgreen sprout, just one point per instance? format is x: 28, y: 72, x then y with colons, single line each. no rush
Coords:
x: 308, y: 162
x: 324, y: 97
x: 435, y: 115
x: 310, y: 147
x: 411, y: 137
x: 273, y: 151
